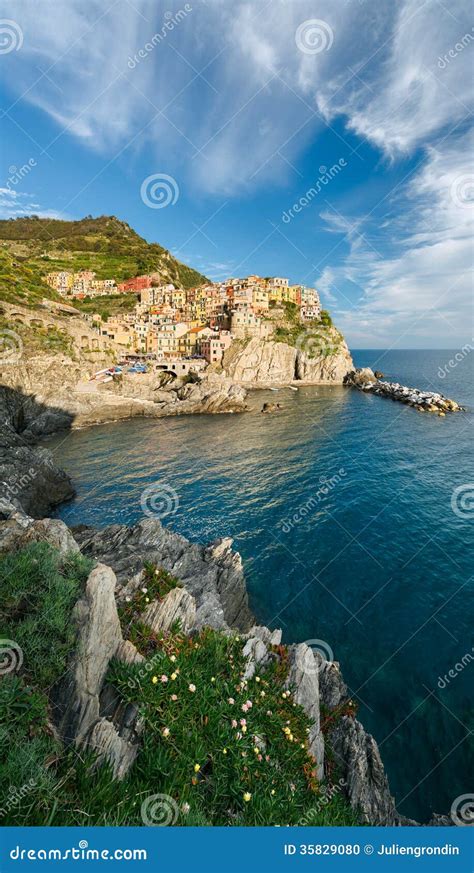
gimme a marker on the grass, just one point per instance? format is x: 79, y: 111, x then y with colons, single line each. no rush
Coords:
x: 222, y: 750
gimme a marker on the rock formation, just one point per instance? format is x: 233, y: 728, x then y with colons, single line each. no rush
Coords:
x: 267, y: 362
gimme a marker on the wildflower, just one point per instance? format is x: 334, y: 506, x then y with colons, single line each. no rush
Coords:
x: 259, y: 758
x: 145, y: 590
x: 157, y: 572
x: 128, y: 599
x: 243, y: 721
x: 286, y: 730
x: 154, y: 679
x: 249, y: 704
x: 192, y: 688
x: 164, y: 678
x: 213, y: 678
x: 272, y: 792
x: 302, y: 745
x: 173, y: 659
x: 234, y: 723
x: 244, y: 728
x: 197, y: 768
x: 196, y: 645
x: 244, y: 707
x: 224, y: 751
x: 166, y: 732
x: 185, y: 808
x: 247, y: 796
x: 174, y: 676
x: 290, y: 737
x: 147, y: 599
x: 257, y: 678
x: 174, y: 697
x: 262, y: 694
x: 292, y: 787
x: 256, y: 750
x: 231, y: 700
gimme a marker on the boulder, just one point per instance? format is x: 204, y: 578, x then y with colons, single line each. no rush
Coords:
x: 178, y: 605
x: 303, y: 679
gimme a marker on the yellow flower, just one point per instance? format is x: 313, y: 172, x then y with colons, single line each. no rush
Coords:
x: 286, y: 730
x: 272, y: 791
x: 244, y: 728
x: 224, y: 751
x: 213, y: 678
x: 256, y: 750
x: 197, y: 768
x: 247, y: 796
x: 154, y: 679
x: 172, y: 658
x: 174, y: 676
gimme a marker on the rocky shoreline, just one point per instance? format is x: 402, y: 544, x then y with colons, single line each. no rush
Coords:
x: 424, y: 401
x: 214, y: 594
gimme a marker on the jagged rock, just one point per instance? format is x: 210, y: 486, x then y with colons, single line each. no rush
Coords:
x: 332, y: 688
x: 367, y: 787
x: 256, y: 649
x: 303, y: 677
x: 128, y: 653
x: 19, y: 530
x: 213, y: 574
x: 109, y: 746
x: 178, y: 605
x: 99, y: 635
x: 28, y: 477
x: 266, y: 362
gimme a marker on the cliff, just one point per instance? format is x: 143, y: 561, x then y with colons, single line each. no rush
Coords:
x: 268, y: 362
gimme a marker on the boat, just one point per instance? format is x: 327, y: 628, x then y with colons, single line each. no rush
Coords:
x: 292, y: 388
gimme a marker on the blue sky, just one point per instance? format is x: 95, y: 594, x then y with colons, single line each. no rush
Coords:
x: 246, y: 106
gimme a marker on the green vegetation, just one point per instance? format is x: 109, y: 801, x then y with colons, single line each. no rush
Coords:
x: 36, y: 338
x: 222, y: 750
x: 106, y: 305
x: 32, y: 247
x: 316, y: 338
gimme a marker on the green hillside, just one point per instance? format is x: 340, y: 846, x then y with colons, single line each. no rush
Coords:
x: 32, y: 247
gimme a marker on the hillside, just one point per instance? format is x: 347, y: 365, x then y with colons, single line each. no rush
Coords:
x: 31, y: 247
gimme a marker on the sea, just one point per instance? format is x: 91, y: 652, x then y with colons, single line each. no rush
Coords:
x: 354, y: 517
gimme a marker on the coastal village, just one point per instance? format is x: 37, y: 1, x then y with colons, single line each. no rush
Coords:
x: 187, y: 328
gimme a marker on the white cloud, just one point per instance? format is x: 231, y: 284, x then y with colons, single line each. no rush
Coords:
x: 424, y: 290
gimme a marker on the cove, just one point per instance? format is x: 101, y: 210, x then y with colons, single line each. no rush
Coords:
x: 341, y: 506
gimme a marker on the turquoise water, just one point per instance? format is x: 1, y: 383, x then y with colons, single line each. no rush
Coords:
x: 377, y: 565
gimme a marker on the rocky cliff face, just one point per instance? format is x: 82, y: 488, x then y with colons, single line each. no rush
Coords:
x: 53, y: 393
x: 266, y: 362
x: 88, y: 713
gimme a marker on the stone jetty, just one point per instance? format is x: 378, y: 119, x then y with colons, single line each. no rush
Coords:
x: 424, y: 401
